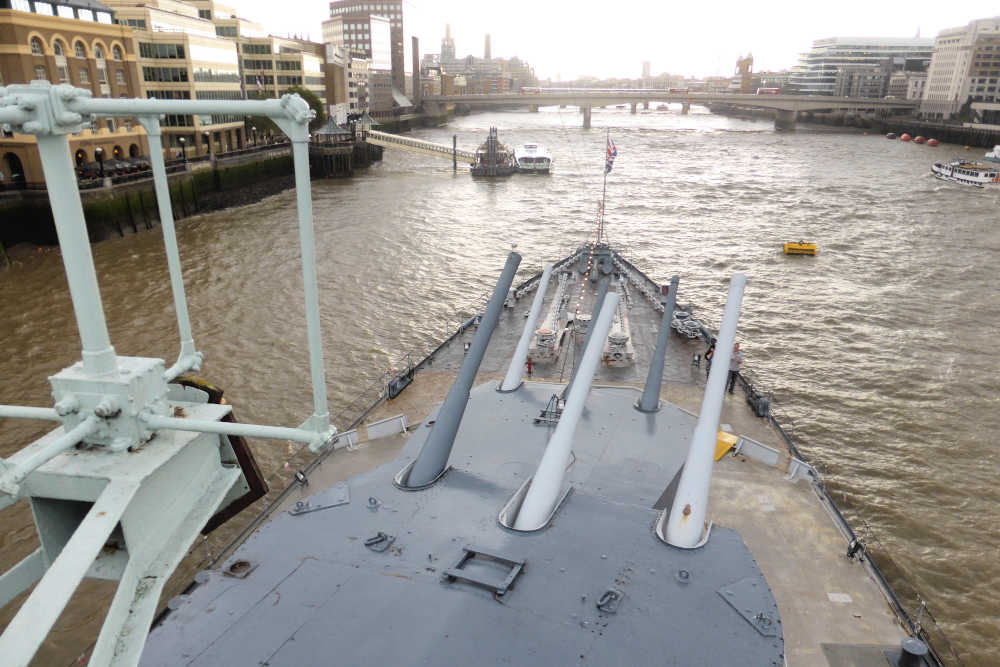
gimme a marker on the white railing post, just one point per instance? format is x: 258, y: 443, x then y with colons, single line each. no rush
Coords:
x: 189, y: 358
x: 67, y: 211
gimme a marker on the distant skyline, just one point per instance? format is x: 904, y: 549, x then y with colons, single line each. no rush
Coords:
x: 571, y: 39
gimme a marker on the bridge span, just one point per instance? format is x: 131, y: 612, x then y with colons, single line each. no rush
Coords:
x: 786, y: 107
x: 418, y: 146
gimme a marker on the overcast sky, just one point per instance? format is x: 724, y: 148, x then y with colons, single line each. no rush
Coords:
x: 606, y: 39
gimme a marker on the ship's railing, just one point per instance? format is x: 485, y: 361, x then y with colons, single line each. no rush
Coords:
x: 913, y: 613
x: 859, y: 547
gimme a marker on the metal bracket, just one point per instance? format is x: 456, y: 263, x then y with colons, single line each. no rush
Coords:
x: 500, y: 588
x: 336, y: 495
x: 749, y: 598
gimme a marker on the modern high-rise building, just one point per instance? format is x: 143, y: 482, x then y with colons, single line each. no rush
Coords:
x: 181, y: 57
x: 358, y: 33
x: 73, y: 42
x: 965, y: 68
x: 816, y: 73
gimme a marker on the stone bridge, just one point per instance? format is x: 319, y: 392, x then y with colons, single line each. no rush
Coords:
x: 786, y: 107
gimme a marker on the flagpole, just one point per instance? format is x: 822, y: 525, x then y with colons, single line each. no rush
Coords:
x: 604, y: 190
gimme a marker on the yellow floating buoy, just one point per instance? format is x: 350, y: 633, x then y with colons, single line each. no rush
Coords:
x: 800, y: 248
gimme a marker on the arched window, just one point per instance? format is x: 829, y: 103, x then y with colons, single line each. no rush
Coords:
x: 119, y: 77
x: 98, y: 52
x: 58, y: 48
x: 36, y: 46
x: 116, y: 52
x: 117, y: 153
x: 133, y: 150
x: 41, y: 73
x: 80, y: 157
x: 79, y: 51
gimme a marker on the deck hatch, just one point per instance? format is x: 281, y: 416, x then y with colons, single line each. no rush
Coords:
x: 469, y: 554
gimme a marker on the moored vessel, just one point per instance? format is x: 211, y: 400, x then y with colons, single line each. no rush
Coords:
x: 493, y: 158
x: 533, y: 159
x: 967, y: 173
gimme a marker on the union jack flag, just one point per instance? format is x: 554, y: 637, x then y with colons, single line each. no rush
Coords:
x: 612, y: 154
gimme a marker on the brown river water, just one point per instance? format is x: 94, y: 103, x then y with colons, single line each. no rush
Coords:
x: 880, y: 352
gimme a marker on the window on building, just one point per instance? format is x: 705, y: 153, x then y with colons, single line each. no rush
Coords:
x: 58, y: 48
x: 40, y: 72
x: 85, y: 14
x: 84, y: 76
x: 170, y: 74
x: 20, y: 5
x: 62, y: 73
x: 36, y: 46
x: 104, y: 17
x: 79, y: 51
x: 98, y: 52
x: 171, y: 51
x: 119, y: 77
x: 116, y: 52
x: 102, y: 75
x: 205, y: 13
x: 43, y: 8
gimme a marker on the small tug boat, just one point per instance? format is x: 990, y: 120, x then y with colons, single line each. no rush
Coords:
x: 967, y: 173
x: 532, y: 159
x: 993, y: 155
x: 493, y: 158
x: 800, y: 248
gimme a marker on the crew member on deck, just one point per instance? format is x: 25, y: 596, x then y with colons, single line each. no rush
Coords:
x: 734, y: 366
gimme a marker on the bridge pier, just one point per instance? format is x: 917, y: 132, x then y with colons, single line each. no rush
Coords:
x: 784, y: 119
x: 533, y: 108
x: 634, y: 107
x: 685, y: 108
x: 586, y: 117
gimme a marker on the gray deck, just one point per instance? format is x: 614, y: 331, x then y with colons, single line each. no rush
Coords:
x: 318, y: 594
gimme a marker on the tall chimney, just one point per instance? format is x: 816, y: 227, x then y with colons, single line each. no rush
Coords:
x: 418, y: 88
x: 487, y: 50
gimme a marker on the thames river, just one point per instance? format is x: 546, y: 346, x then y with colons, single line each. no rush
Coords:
x: 881, y: 351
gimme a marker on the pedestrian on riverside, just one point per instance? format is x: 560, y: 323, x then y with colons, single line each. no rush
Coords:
x: 529, y: 366
x: 734, y: 366
x: 709, y: 353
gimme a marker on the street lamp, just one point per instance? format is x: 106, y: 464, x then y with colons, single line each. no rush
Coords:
x: 99, y: 154
x: 208, y: 141
x: 253, y: 128
x: 183, y: 143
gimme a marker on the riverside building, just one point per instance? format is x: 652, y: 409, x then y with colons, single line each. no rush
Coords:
x: 360, y: 32
x: 68, y: 42
x: 965, y: 69
x: 817, y: 71
x: 182, y: 58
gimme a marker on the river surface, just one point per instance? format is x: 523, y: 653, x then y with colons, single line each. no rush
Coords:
x: 881, y: 351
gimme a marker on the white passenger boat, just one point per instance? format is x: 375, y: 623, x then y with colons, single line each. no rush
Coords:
x: 993, y: 155
x: 533, y: 159
x: 967, y: 173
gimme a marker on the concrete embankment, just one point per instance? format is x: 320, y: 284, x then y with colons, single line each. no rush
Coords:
x: 129, y: 207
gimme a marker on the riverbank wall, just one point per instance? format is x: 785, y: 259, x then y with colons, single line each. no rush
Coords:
x: 117, y: 209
